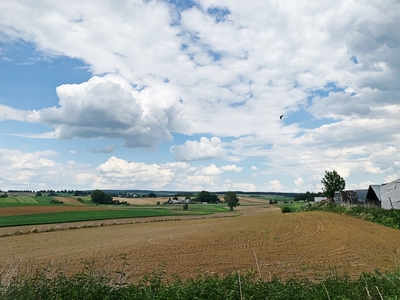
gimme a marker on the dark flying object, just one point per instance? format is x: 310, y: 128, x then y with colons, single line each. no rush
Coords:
x: 281, y: 117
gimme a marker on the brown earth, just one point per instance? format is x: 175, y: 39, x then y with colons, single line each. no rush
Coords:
x: 308, y: 245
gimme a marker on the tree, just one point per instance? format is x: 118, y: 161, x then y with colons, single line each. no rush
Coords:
x: 38, y: 194
x: 207, y: 197
x: 332, y: 182
x: 99, y: 197
x: 231, y: 200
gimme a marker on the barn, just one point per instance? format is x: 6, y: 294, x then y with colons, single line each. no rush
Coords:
x: 350, y: 196
x: 385, y: 196
x: 390, y: 195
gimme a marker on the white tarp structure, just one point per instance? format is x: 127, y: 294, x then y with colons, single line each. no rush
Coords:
x: 390, y: 195
x: 319, y: 199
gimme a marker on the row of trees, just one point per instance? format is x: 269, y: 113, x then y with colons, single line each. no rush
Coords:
x: 230, y: 198
x: 99, y: 197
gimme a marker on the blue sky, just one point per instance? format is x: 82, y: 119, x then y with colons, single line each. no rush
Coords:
x: 186, y: 95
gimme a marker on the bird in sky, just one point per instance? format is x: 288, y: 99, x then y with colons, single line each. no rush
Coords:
x: 281, y: 117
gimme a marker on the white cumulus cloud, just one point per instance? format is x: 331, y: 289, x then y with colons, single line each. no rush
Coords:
x: 202, y: 150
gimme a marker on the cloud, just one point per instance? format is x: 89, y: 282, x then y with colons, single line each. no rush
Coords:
x: 38, y: 170
x: 223, y: 69
x: 274, y: 185
x: 106, y: 107
x: 74, y: 151
x: 121, y: 173
x: 203, y: 150
x: 239, y: 186
x: 116, y: 172
x: 232, y: 168
x: 298, y: 182
x: 108, y: 149
x: 43, y: 135
x: 9, y: 113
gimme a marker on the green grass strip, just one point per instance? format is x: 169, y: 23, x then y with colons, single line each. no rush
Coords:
x: 25, y: 199
x: 6, y: 201
x: 76, y: 216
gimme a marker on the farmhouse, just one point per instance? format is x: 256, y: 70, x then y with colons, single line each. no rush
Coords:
x: 386, y: 196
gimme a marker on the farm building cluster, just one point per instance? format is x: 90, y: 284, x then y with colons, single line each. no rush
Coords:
x: 385, y: 196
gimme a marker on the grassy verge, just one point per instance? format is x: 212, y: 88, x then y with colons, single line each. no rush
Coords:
x: 386, y: 217
x: 295, y: 206
x: 93, y: 215
x: 104, y: 284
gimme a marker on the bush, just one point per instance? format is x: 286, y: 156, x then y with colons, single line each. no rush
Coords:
x: 185, y: 206
x: 285, y: 209
x: 54, y: 201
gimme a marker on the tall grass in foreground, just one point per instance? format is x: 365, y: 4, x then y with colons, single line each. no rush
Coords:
x: 92, y: 283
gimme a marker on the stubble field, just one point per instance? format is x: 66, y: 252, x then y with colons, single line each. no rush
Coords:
x: 305, y: 245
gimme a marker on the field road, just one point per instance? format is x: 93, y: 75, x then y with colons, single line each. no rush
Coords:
x: 305, y: 245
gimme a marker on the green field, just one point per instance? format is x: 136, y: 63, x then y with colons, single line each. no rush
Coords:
x: 25, y: 201
x: 295, y: 206
x: 93, y: 215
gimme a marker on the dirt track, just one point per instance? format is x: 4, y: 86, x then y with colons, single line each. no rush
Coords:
x: 286, y: 245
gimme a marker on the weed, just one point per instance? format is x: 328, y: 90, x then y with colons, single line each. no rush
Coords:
x: 98, y: 281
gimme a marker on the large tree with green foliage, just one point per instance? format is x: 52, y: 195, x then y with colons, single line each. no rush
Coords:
x: 332, y: 182
x: 205, y: 196
x: 231, y: 200
x: 99, y: 197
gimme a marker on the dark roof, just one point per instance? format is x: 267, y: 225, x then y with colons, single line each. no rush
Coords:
x: 374, y: 193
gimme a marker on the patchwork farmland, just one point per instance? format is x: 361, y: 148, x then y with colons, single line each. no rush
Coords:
x: 256, y: 236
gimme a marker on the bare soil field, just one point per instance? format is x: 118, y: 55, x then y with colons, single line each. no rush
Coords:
x: 306, y: 245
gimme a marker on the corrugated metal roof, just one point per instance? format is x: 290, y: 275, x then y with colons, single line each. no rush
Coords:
x: 362, y: 194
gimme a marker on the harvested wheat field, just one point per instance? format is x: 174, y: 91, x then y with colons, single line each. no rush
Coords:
x: 68, y: 200
x: 309, y: 244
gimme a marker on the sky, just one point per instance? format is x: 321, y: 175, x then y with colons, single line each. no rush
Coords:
x: 187, y: 94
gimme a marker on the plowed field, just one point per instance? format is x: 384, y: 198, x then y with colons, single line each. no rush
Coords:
x: 302, y: 245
